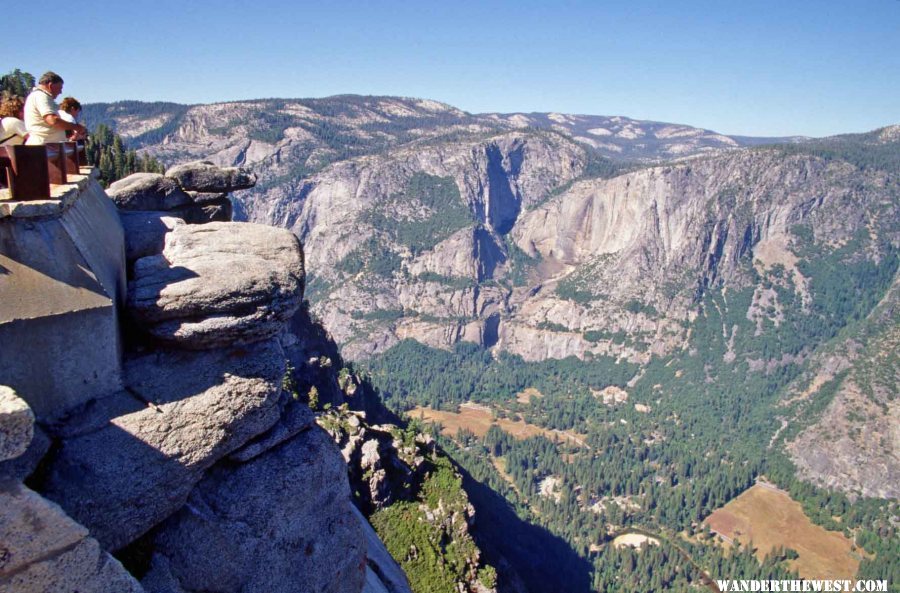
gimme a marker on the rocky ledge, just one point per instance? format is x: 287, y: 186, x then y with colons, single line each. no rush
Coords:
x: 202, y: 472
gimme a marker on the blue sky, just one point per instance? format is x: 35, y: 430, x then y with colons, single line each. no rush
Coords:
x: 749, y: 67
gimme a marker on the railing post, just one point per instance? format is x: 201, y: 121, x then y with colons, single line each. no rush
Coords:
x: 6, y: 170
x: 28, y: 174
x: 56, y: 162
x: 81, y: 153
x: 70, y: 150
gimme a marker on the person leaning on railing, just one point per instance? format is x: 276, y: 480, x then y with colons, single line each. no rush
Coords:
x: 42, y: 113
x: 69, y: 110
x: 12, y: 128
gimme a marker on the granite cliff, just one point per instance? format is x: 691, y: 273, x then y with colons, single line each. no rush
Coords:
x: 203, y: 471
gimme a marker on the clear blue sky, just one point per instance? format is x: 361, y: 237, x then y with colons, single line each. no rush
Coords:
x: 739, y: 67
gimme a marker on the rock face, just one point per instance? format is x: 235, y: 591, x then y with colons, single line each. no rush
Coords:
x: 186, y: 296
x: 129, y: 462
x: 260, y: 526
x: 295, y: 418
x: 381, y: 466
x: 145, y: 232
x: 19, y: 468
x: 204, y: 176
x: 542, y: 262
x: 42, y: 549
x: 16, y: 424
x: 391, y: 469
x: 854, y: 446
x: 382, y: 573
x: 200, y: 429
x: 146, y: 199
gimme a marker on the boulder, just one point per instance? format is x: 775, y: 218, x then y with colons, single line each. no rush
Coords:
x: 203, y: 176
x: 25, y: 464
x: 145, y: 232
x: 147, y: 191
x: 218, y: 284
x: 16, y: 424
x: 42, y: 549
x: 371, y: 458
x: 182, y: 412
x: 350, y: 449
x: 280, y: 523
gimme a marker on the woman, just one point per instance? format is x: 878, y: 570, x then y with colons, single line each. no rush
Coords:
x: 12, y: 128
x: 69, y: 110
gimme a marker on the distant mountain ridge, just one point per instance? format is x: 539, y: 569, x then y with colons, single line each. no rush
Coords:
x: 614, y: 137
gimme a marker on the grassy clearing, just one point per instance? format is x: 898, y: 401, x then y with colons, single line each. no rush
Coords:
x: 478, y: 419
x: 768, y: 517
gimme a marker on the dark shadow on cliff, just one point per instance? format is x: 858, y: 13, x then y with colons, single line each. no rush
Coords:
x: 530, y: 554
x: 314, y: 341
x: 504, y: 205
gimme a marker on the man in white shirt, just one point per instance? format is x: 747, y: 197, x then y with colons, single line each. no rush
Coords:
x: 42, y: 113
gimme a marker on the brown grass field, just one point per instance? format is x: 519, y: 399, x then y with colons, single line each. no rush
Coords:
x: 479, y: 419
x: 768, y: 517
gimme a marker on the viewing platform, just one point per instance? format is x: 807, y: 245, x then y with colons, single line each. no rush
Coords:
x: 62, y: 282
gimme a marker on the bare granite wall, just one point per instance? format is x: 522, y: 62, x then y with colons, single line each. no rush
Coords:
x: 62, y: 278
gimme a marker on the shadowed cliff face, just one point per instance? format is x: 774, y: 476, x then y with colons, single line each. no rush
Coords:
x: 503, y: 206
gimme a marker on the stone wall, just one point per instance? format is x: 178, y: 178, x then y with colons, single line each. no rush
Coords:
x: 62, y: 278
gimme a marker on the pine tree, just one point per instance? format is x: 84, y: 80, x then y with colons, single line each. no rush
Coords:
x: 16, y: 83
x: 107, y: 151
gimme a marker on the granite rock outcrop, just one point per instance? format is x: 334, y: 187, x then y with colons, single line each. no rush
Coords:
x: 202, y: 423
x: 181, y: 413
x: 147, y: 191
x: 249, y: 527
x: 205, y: 176
x: 17, y: 424
x: 41, y: 547
x: 186, y: 296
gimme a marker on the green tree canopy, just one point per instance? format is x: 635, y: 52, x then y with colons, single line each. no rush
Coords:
x: 16, y: 83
